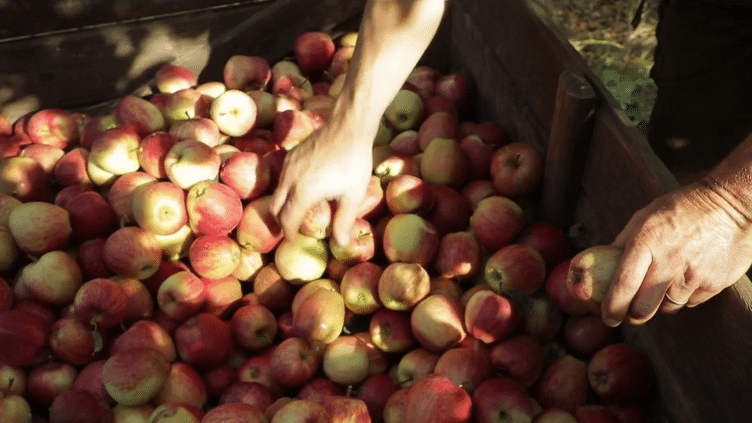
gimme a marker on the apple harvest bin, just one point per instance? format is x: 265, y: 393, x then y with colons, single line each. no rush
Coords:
x: 529, y: 79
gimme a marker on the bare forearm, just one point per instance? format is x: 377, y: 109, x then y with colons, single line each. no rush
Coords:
x: 732, y: 180
x: 392, y: 37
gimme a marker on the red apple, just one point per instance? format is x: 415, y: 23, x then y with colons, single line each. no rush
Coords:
x: 171, y: 78
x: 515, y: 268
x: 478, y: 189
x: 451, y: 212
x: 152, y: 152
x: 435, y: 398
x: 519, y: 357
x: 186, y: 103
x: 190, y: 161
x: 403, y: 285
x: 294, y: 361
x: 251, y: 393
x: 100, y: 302
x: 517, y: 169
x: 361, y: 246
x: 183, y: 385
x: 213, y: 208
x: 291, y: 127
x: 359, y: 287
x: 45, y: 155
x: 89, y: 379
x: 555, y: 415
x: 160, y: 207
x: 174, y: 412
x: 587, y: 334
x: 271, y: 290
x: 394, y: 408
x: 223, y: 295
x: 501, y: 396
x: 24, y: 178
x: 199, y: 128
x: 145, y: 334
x: 410, y: 238
x: 465, y: 367
x: 75, y: 405
x: 254, y: 327
x: 52, y: 279
x: 491, y: 317
x: 341, y: 60
x: 234, y: 412
x: 90, y: 259
x: 142, y: 114
x: 320, y: 317
x: 346, y: 360
x: 549, y: 239
x: 204, y: 340
x: 47, y: 380
x: 234, y: 112
x: 317, y: 222
x: 91, y: 216
x: 181, y: 295
x: 563, y: 384
x: 496, y: 221
x: 437, y: 125
x: 313, y: 51
x: 437, y: 322
x: 258, y: 229
x: 54, y: 127
x: 121, y: 192
x: 132, y: 252
x: 247, y: 174
x: 387, y: 165
x: 491, y: 133
x: 134, y: 377
x: 556, y: 288
x: 301, y: 258
x: 301, y: 411
x: 620, y: 373
x: 246, y: 73
x: 457, y: 87
x: 459, y: 255
x: 39, y: 227
x: 374, y: 392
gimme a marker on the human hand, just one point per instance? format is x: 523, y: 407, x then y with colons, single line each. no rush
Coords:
x: 681, y: 249
x: 332, y: 164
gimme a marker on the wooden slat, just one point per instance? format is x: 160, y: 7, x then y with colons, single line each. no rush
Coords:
x: 76, y: 69
x: 21, y: 18
x: 701, y: 355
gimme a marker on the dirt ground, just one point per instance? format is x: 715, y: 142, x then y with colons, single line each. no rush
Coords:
x: 618, y: 53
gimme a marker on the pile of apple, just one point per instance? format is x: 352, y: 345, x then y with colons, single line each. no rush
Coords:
x: 144, y: 279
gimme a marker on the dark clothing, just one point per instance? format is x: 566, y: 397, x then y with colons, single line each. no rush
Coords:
x: 703, y: 71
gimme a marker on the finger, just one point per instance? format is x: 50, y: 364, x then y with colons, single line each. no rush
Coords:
x: 677, y: 296
x: 293, y: 211
x: 649, y: 298
x: 700, y: 296
x: 630, y: 273
x: 279, y: 196
x: 344, y: 219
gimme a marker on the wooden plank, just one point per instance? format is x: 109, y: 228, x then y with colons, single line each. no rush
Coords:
x: 21, y: 18
x: 701, y: 355
x: 89, y: 66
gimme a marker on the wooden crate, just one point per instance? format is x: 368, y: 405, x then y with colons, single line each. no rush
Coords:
x: 516, y: 59
x: 75, y: 65
x: 516, y: 56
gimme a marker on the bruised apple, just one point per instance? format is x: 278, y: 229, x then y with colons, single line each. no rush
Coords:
x: 591, y: 272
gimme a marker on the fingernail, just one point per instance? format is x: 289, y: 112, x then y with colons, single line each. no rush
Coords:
x: 611, y: 322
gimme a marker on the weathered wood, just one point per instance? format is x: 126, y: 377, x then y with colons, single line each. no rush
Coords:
x: 23, y: 18
x: 93, y: 65
x: 571, y: 129
x: 701, y: 355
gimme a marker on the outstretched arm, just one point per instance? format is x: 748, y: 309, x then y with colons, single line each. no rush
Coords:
x: 336, y: 162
